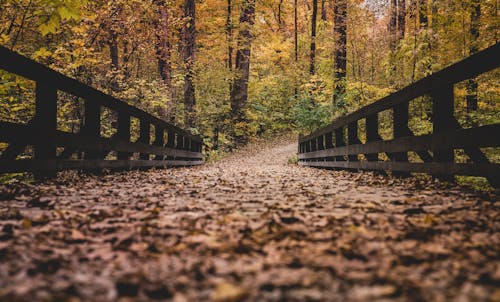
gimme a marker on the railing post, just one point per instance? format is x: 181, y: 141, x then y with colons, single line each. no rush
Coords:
x: 372, y: 134
x: 170, y: 141
x: 314, y: 144
x: 159, y: 140
x: 145, y: 137
x: 92, y: 125
x: 352, y: 135
x: 45, y: 121
x: 123, y: 132
x: 400, y: 119
x: 443, y: 119
x: 339, y: 142
x: 329, y: 144
x: 321, y: 142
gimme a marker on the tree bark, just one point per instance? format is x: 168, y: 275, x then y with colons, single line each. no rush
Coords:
x: 229, y: 36
x: 188, y: 35
x: 239, y: 91
x: 163, y: 53
x: 392, y: 24
x: 401, y: 19
x: 323, y: 10
x: 295, y: 31
x: 340, y: 52
x: 312, y: 55
x: 475, y: 17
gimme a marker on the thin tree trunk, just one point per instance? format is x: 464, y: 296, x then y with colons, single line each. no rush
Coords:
x: 312, y: 54
x: 295, y: 31
x: 188, y: 35
x: 392, y: 24
x: 239, y: 91
x: 163, y: 54
x: 340, y: 53
x: 401, y: 19
x: 472, y: 85
x: 280, y: 21
x: 323, y: 10
x: 229, y: 36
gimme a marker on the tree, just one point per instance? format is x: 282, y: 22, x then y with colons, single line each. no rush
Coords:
x: 239, y: 91
x: 401, y: 19
x: 188, y: 54
x: 393, y: 24
x: 163, y: 52
x: 312, y: 55
x: 475, y: 17
x: 340, y: 52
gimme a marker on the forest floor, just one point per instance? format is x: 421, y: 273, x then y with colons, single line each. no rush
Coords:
x: 250, y: 227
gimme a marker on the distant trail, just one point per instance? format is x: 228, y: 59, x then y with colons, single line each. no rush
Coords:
x: 249, y: 227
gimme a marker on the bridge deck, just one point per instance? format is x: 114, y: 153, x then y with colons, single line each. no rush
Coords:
x: 249, y: 226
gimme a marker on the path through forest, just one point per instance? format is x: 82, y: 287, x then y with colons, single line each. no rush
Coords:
x: 250, y: 226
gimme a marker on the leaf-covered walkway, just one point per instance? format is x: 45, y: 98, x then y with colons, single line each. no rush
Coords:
x: 249, y: 227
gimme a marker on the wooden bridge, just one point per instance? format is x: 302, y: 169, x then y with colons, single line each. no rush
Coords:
x: 338, y: 145
x: 56, y: 150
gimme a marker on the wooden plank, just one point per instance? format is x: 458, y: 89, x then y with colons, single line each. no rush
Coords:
x: 485, y: 136
x: 13, y: 166
x: 431, y: 168
x: 470, y: 67
x: 29, y: 135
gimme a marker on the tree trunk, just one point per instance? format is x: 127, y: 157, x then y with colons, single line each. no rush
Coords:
x: 475, y: 17
x: 392, y: 24
x: 401, y: 19
x: 340, y: 53
x: 239, y: 91
x: 229, y: 37
x: 188, y: 36
x: 295, y: 31
x: 163, y: 53
x: 323, y: 10
x: 280, y: 21
x: 312, y: 55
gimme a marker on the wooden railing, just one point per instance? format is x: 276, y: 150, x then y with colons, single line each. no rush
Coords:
x: 56, y: 150
x: 332, y: 147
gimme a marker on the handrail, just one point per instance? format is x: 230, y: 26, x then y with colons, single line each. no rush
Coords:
x: 181, y: 147
x: 328, y: 147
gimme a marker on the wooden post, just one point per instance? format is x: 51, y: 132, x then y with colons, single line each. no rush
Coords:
x: 443, y: 119
x: 170, y: 141
x: 372, y: 134
x: 92, y: 125
x: 314, y: 144
x: 339, y: 141
x: 352, y: 135
x: 159, y: 140
x: 400, y: 124
x: 45, y: 122
x: 123, y: 132
x: 145, y: 137
x: 321, y: 142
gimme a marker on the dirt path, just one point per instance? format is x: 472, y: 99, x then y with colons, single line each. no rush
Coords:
x: 250, y: 227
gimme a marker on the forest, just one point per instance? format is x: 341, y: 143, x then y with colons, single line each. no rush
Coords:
x: 235, y: 69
